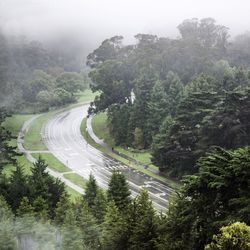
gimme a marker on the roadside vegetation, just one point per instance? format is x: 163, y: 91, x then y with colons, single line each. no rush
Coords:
x: 186, y: 100
x: 33, y: 141
x: 101, y: 129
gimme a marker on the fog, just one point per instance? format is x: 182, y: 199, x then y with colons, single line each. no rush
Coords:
x: 95, y: 20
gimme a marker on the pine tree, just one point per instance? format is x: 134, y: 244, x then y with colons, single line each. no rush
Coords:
x: 38, y: 180
x: 158, y: 108
x: 90, y: 231
x: 25, y: 208
x: 181, y: 147
x: 174, y: 90
x: 118, y: 119
x: 118, y: 190
x: 159, y: 142
x: 217, y: 194
x: 44, y: 185
x: 41, y: 209
x: 140, y: 110
x: 17, y: 188
x: 100, y: 206
x: 114, y: 229
x: 62, y: 206
x: 145, y: 230
x: 90, y: 191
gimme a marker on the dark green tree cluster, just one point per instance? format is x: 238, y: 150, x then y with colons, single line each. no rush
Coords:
x: 35, y: 210
x: 40, y: 189
x: 123, y: 223
x: 216, y: 196
x: 203, y: 120
x: 176, y: 97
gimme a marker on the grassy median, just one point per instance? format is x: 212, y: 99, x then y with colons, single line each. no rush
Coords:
x: 53, y: 162
x: 76, y: 179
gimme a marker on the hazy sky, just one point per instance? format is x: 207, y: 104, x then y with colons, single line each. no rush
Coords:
x: 99, y: 19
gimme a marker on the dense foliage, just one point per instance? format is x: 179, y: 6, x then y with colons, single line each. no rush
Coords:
x: 36, y: 211
x: 199, y: 82
x: 216, y: 196
x: 187, y: 99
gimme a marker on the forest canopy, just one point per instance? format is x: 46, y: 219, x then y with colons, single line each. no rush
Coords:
x: 176, y: 97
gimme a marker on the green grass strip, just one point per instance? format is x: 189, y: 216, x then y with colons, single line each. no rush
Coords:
x: 53, y: 162
x: 76, y: 179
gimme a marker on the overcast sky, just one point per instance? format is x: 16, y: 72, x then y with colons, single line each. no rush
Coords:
x: 100, y: 19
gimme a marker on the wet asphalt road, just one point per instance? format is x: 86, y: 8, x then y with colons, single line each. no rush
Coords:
x: 62, y: 136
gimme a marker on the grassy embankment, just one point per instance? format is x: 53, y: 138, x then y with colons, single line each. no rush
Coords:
x: 33, y: 141
x: 99, y: 124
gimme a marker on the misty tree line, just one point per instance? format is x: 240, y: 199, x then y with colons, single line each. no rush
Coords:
x: 36, y: 76
x: 188, y: 95
x: 176, y: 97
x: 36, y: 212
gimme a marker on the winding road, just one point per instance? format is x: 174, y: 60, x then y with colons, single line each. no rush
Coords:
x: 63, y: 138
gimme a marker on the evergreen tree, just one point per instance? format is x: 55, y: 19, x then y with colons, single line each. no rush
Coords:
x: 25, y: 207
x: 62, y: 206
x: 41, y: 209
x: 100, y: 206
x: 90, y: 231
x: 118, y: 123
x: 218, y: 194
x: 118, y: 190
x: 43, y: 185
x: 140, y: 110
x: 17, y: 188
x: 174, y: 90
x: 113, y: 229
x: 181, y: 148
x: 90, y: 191
x: 160, y: 140
x: 145, y: 231
x: 228, y: 126
x: 158, y: 108
x: 202, y: 83
x: 38, y: 180
x: 240, y: 78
